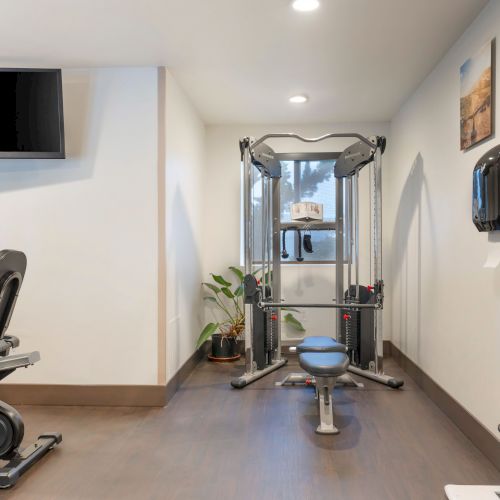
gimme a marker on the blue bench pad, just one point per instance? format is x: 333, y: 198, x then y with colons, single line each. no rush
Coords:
x: 324, y: 364
x: 320, y: 344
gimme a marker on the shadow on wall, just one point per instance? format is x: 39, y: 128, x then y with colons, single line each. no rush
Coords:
x: 183, y: 252
x: 407, y: 259
x: 82, y: 120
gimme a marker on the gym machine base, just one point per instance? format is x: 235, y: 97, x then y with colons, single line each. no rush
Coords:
x: 248, y: 378
x: 12, y: 269
x: 301, y: 378
x: 317, y: 344
x: 381, y: 378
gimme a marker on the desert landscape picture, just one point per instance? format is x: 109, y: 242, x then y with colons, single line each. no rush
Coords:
x: 476, y: 98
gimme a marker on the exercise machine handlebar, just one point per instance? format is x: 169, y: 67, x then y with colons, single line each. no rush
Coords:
x: 313, y: 139
x: 280, y: 305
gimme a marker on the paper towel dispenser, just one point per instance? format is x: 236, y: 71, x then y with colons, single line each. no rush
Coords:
x: 486, y: 191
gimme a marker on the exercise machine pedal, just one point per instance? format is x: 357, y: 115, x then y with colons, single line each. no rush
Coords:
x: 21, y: 460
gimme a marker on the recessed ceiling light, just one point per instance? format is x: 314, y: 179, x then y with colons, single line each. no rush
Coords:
x: 298, y: 99
x: 305, y: 5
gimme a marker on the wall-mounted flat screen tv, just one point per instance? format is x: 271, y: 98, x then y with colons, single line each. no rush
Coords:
x: 31, y: 113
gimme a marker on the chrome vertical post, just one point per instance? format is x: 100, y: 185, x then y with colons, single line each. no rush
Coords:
x: 348, y: 230
x: 355, y: 195
x: 276, y: 236
x: 263, y: 221
x: 248, y: 242
x: 339, y: 251
x: 376, y: 208
x: 269, y: 231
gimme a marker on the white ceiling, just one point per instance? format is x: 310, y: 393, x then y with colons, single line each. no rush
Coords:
x: 239, y: 60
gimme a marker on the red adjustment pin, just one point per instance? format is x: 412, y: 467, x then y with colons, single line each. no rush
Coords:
x: 274, y: 317
x: 347, y: 316
x: 370, y: 288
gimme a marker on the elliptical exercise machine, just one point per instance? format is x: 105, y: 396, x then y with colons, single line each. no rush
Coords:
x: 12, y: 269
x: 359, y: 308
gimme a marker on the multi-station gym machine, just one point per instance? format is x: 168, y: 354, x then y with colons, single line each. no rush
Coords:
x: 359, y: 307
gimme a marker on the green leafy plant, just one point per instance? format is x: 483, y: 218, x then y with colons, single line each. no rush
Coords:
x: 228, y: 298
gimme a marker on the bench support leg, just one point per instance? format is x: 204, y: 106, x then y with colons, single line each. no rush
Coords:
x: 324, y: 390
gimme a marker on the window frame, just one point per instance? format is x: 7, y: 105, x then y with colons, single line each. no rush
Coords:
x: 298, y: 158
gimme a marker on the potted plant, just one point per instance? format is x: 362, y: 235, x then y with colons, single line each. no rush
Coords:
x: 228, y: 299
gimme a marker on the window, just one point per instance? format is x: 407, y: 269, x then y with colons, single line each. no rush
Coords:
x: 309, y: 181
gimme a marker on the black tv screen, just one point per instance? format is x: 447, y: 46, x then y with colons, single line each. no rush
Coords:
x: 31, y: 113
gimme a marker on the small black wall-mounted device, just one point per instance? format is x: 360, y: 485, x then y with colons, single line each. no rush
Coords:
x: 486, y: 191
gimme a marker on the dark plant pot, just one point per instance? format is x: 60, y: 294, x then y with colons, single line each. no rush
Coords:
x: 224, y: 348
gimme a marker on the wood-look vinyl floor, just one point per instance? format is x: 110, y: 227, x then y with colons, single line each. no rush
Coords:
x: 215, y: 442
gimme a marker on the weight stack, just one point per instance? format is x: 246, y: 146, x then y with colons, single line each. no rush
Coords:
x: 259, y: 337
x: 350, y: 329
x: 272, y: 318
x: 358, y: 328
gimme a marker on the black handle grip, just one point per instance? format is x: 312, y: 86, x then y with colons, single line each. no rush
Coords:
x: 308, y: 247
x: 284, y: 253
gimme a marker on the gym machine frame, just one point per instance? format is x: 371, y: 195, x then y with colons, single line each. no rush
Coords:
x: 263, y: 297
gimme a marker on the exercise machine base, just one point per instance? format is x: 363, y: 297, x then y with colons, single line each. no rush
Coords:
x: 23, y: 460
x: 248, y: 378
x: 381, y: 378
x: 303, y: 378
x: 306, y: 379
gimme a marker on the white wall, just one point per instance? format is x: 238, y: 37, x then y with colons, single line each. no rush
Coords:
x: 446, y: 304
x: 222, y: 214
x: 88, y: 225
x: 185, y: 187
